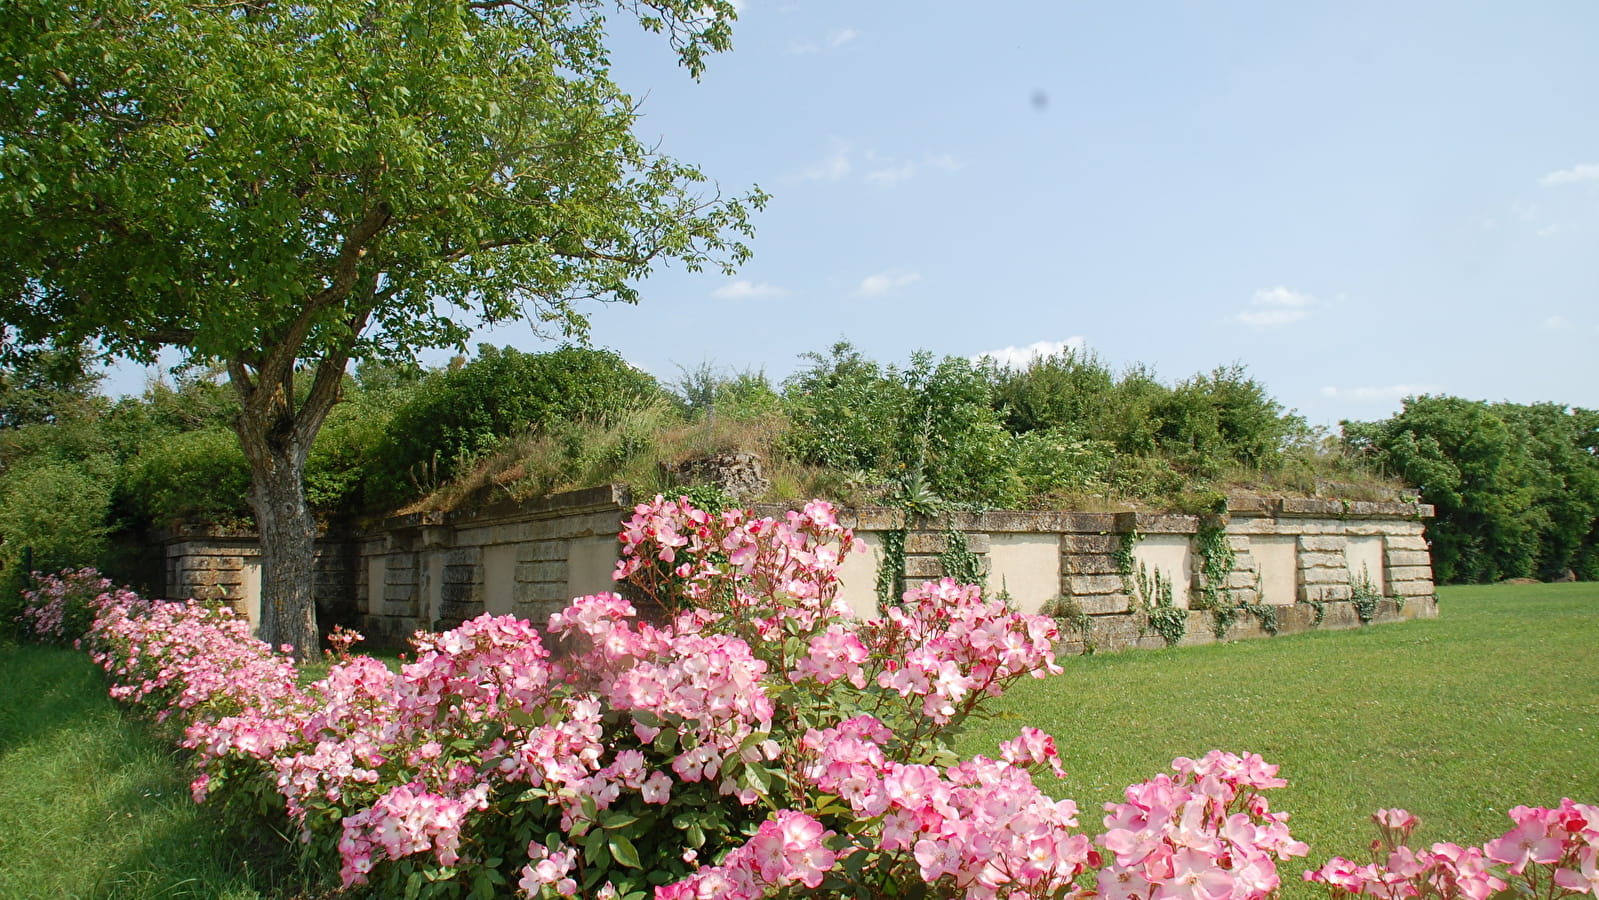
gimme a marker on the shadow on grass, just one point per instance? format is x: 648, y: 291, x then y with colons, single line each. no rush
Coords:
x: 95, y: 804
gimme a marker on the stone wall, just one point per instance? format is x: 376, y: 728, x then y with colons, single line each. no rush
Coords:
x: 1296, y: 564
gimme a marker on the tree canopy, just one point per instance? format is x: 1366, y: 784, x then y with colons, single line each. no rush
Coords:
x: 280, y: 188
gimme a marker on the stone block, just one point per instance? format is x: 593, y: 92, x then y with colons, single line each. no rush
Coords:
x: 1102, y: 604
x: 1090, y: 543
x: 200, y: 577
x: 933, y: 542
x: 1399, y: 558
x: 1245, y: 595
x: 1329, y: 593
x: 1085, y: 585
x: 394, y: 561
x: 458, y: 592
x: 1306, y: 506
x: 1407, y: 542
x: 1321, y: 576
x: 1413, y: 588
x: 1090, y: 564
x: 211, y: 563
x: 537, y: 592
x: 399, y: 607
x: 541, y: 551
x: 1238, y: 580
x: 463, y: 556
x: 931, y: 567
x: 406, y: 577
x: 462, y: 574
x: 871, y: 518
x: 553, y: 572
x: 1410, y: 573
x: 1322, y: 544
x: 1323, y: 561
x: 1162, y: 523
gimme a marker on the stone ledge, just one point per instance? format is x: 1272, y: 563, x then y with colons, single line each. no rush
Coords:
x: 932, y: 542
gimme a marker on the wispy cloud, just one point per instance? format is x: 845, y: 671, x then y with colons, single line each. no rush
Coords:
x: 832, y: 168
x: 1577, y: 173
x: 835, y: 39
x: 843, y: 160
x: 1387, y: 392
x: 1557, y: 322
x: 895, y: 172
x: 884, y: 283
x: 1276, y: 306
x: 1019, y: 357
x: 743, y: 289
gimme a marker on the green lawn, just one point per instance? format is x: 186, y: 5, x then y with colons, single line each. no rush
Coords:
x: 93, y: 804
x: 1495, y: 703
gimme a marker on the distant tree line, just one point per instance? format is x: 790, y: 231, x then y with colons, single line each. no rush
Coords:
x: 1516, y: 486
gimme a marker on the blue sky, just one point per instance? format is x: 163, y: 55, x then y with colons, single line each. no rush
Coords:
x: 1356, y: 201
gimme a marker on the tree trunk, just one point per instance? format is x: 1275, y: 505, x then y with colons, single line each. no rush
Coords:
x: 276, y: 439
x: 288, y: 553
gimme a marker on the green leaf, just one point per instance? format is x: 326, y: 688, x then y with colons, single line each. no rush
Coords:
x: 610, y: 820
x: 623, y: 850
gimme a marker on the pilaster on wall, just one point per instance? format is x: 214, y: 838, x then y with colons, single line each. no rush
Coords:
x: 924, y: 551
x: 1243, y: 581
x: 1323, y: 568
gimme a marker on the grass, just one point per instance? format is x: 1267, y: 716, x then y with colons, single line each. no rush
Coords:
x: 93, y: 804
x: 1457, y: 719
x: 1493, y: 704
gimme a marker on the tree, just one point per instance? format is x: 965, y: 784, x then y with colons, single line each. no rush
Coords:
x: 1476, y: 472
x: 281, y: 188
x: 40, y: 384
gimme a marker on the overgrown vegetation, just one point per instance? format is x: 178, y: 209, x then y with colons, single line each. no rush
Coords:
x: 1517, y: 488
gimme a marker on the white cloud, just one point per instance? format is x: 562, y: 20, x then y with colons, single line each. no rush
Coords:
x: 1550, y: 230
x: 835, y: 39
x: 884, y: 283
x: 1578, y: 173
x: 1019, y: 357
x: 883, y: 171
x: 1388, y: 392
x: 1277, y: 306
x: 834, y: 167
x: 1557, y: 322
x: 894, y: 173
x: 744, y: 289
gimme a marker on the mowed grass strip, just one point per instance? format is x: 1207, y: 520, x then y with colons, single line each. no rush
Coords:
x: 1458, y: 719
x: 92, y: 804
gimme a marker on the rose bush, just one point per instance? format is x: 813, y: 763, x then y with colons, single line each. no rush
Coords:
x: 751, y: 739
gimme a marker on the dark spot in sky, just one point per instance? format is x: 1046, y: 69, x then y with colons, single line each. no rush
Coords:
x: 1040, y: 100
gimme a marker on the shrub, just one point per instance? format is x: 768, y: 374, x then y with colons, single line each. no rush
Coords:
x: 190, y: 473
x: 1065, y: 392
x: 56, y: 510
x: 931, y: 424
x: 459, y: 416
x: 1225, y: 415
